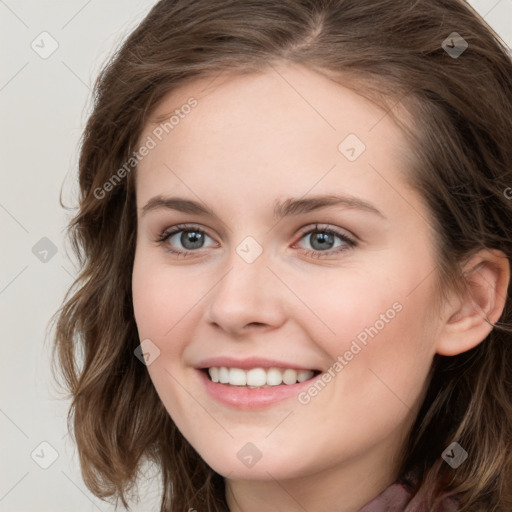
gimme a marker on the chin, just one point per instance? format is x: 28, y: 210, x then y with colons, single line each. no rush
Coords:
x: 240, y: 467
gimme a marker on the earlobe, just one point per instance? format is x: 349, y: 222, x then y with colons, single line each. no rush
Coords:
x: 471, y: 317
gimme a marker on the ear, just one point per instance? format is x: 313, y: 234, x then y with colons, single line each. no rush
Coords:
x: 468, y: 320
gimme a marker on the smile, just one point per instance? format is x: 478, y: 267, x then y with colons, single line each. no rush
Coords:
x: 259, y: 377
x: 252, y: 398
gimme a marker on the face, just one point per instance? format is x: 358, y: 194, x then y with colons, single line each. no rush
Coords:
x: 275, y: 275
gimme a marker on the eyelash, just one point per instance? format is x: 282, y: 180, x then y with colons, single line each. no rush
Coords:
x: 168, y: 233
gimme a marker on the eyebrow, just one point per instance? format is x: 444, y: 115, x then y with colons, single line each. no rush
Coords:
x: 283, y: 208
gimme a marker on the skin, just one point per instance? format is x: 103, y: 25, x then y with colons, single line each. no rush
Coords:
x: 250, y: 141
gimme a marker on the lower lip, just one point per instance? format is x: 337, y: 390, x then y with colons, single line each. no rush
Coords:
x: 250, y: 399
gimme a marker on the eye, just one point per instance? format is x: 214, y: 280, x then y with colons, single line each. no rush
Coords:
x: 322, y: 240
x: 189, y: 236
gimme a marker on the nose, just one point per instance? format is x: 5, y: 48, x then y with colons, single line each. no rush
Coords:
x: 247, y: 296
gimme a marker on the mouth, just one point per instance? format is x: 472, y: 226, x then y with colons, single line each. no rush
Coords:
x: 258, y: 378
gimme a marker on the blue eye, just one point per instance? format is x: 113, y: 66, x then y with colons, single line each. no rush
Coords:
x: 321, y: 240
x: 193, y: 238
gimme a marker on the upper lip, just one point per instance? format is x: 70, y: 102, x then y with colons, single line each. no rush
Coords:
x: 249, y: 363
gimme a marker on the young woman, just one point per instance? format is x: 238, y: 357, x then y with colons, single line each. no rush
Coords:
x: 294, y: 233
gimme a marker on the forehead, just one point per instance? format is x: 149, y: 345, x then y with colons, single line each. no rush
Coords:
x: 288, y: 96
x: 285, y: 129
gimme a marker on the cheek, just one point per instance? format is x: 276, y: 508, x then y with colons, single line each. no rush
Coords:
x: 376, y: 328
x: 163, y: 297
x: 345, y: 305
x: 164, y: 313
x: 381, y: 353
x: 150, y: 302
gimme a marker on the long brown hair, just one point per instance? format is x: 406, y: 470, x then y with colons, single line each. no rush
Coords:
x: 461, y: 163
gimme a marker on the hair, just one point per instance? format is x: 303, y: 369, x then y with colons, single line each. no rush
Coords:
x: 459, y: 132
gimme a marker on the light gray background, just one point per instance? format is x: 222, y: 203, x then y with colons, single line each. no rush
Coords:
x: 43, y: 107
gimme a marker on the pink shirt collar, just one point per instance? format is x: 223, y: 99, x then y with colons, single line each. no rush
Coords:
x: 397, y: 498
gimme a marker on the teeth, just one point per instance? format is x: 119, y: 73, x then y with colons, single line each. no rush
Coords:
x: 237, y: 377
x: 258, y: 377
